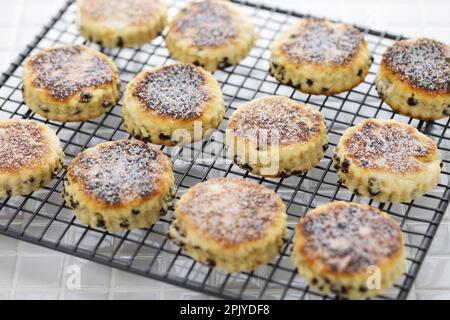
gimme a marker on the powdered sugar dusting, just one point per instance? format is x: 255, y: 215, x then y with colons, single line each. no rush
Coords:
x: 231, y: 210
x: 207, y: 23
x: 277, y: 120
x: 349, y: 238
x: 121, y: 12
x: 65, y: 70
x: 322, y: 42
x: 21, y: 144
x: 178, y: 91
x: 425, y: 63
x: 119, y: 172
x: 388, y: 146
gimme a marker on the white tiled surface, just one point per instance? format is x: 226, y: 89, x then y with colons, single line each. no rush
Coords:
x: 30, y: 272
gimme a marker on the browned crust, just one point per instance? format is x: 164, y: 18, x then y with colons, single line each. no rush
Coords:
x: 387, y: 72
x: 256, y: 114
x: 171, y: 103
x: 96, y: 80
x: 415, y: 145
x: 392, y: 238
x: 135, y: 12
x: 24, y: 143
x: 259, y: 210
x: 160, y: 162
x: 209, y: 24
x: 300, y: 31
x: 390, y: 67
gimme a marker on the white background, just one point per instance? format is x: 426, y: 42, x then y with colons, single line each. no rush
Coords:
x: 27, y: 271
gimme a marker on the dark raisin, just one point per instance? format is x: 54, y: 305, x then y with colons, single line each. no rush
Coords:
x: 107, y: 103
x: 325, y: 147
x: 196, y: 63
x: 314, y: 281
x: 224, y: 63
x: 327, y: 281
x: 135, y: 211
x: 100, y: 43
x: 362, y: 289
x: 412, y: 101
x: 345, y: 166
x: 44, y: 109
x: 373, y: 193
x: 446, y: 111
x: 274, y: 65
x: 309, y: 82
x: 100, y: 223
x: 31, y: 180
x: 357, y: 192
x: 359, y: 74
x: 210, y: 262
x: 289, y: 83
x: 9, y: 193
x: 321, y: 288
x: 299, y: 86
x: 85, y: 96
x: 164, y: 137
x: 120, y: 42
x: 441, y: 164
x: 325, y: 90
x: 371, y: 59
x: 245, y: 166
x: 124, y: 224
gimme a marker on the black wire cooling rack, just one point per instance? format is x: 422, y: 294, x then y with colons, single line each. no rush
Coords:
x: 42, y: 217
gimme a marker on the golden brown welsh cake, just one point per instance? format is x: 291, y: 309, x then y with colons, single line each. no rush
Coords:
x: 30, y: 156
x: 120, y: 185
x: 348, y: 249
x: 387, y: 160
x: 70, y: 83
x: 213, y: 34
x: 320, y: 57
x: 414, y: 78
x: 173, y: 104
x: 233, y: 224
x: 122, y: 23
x: 275, y: 136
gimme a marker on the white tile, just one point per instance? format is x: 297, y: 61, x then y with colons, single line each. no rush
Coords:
x: 129, y: 280
x: 5, y: 295
x: 434, y: 274
x: 33, y: 249
x: 433, y: 295
x: 7, y: 266
x: 92, y: 274
x: 136, y: 295
x: 183, y: 294
x: 8, y: 245
x: 85, y: 295
x: 36, y: 295
x: 40, y: 271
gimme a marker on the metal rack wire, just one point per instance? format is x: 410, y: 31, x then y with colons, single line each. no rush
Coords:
x: 42, y: 217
